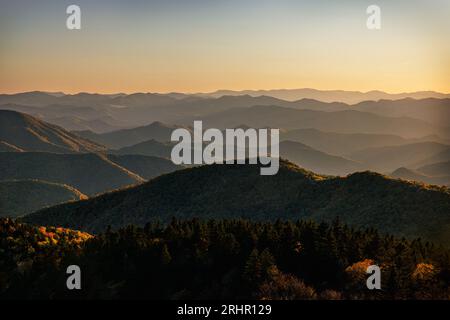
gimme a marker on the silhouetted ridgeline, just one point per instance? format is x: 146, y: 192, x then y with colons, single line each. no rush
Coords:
x: 23, y: 132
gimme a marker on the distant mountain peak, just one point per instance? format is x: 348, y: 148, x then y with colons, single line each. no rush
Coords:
x: 31, y: 134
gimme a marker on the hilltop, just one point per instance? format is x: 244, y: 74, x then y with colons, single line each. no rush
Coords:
x: 127, y: 137
x: 90, y: 173
x: 317, y: 161
x: 147, y: 148
x: 39, y: 194
x: 415, y: 175
x: 386, y: 159
x: 230, y: 191
x: 22, y: 132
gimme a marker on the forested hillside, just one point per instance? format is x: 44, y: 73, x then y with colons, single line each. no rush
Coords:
x: 225, y: 191
x: 220, y: 259
x: 20, y: 197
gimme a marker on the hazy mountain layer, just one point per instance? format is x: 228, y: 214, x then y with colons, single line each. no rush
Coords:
x: 317, y: 161
x: 38, y: 98
x: 30, y: 134
x: 342, y: 143
x: 128, y: 137
x: 436, y: 111
x: 102, y: 113
x: 414, y: 175
x: 386, y: 159
x: 348, y: 121
x: 436, y: 169
x: 147, y: 148
x: 350, y: 97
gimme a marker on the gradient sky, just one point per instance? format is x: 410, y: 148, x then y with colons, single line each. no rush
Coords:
x: 205, y: 45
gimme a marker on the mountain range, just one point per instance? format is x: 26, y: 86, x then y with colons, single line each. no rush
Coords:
x: 345, y: 143
x: 348, y: 121
x: 103, y: 113
x: 349, y: 97
x: 431, y: 110
x: 121, y: 159
x: 39, y: 98
x: 324, y: 152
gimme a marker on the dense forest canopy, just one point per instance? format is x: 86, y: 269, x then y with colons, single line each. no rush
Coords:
x: 234, y: 259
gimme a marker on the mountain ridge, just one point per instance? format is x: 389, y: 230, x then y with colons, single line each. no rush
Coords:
x: 39, y: 194
x: 31, y: 134
x: 232, y: 191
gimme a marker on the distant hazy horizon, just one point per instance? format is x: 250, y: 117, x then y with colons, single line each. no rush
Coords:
x: 220, y: 90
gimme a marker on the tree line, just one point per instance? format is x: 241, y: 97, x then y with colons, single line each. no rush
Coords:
x: 219, y: 259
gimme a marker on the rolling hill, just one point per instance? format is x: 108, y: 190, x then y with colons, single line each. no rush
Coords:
x: 350, y: 97
x: 143, y: 100
x: 72, y: 123
x: 348, y: 121
x: 436, y: 173
x: 99, y: 119
x: 230, y: 191
x: 435, y: 111
x: 415, y: 175
x: 194, y: 107
x: 104, y: 113
x: 299, y: 153
x: 436, y: 169
x: 31, y: 98
x: 30, y: 134
x: 386, y: 159
x: 90, y: 173
x: 317, y: 161
x: 146, y: 167
x: 341, y: 143
x: 128, y: 137
x: 442, y: 156
x: 20, y: 197
x: 39, y: 98
x: 147, y: 148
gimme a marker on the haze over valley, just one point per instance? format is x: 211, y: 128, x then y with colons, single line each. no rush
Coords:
x: 74, y: 147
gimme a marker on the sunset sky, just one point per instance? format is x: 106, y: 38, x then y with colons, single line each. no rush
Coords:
x: 205, y: 45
